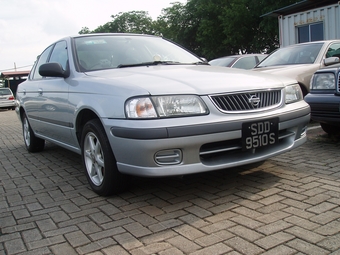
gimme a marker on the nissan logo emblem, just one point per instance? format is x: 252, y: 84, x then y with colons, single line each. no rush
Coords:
x: 254, y: 100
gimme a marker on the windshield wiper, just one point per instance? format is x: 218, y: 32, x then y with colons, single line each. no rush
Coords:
x: 154, y: 63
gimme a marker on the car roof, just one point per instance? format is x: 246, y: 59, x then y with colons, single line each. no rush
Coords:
x: 111, y: 34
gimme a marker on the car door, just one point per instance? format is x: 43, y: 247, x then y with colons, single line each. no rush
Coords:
x: 53, y: 106
x: 28, y: 91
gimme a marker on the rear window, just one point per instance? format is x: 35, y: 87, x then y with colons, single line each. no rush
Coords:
x: 5, y: 92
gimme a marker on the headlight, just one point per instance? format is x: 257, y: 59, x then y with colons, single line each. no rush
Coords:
x: 323, y: 81
x: 165, y: 106
x: 293, y: 94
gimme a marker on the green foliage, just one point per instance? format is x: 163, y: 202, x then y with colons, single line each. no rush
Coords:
x: 209, y: 28
x: 127, y: 22
x: 178, y: 25
x: 85, y: 30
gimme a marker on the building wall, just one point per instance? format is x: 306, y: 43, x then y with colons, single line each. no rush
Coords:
x: 329, y: 15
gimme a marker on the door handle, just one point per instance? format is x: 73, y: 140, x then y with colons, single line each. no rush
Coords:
x: 40, y: 91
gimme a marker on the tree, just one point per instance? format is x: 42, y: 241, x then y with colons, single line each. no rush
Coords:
x: 268, y: 36
x: 126, y: 22
x: 208, y: 32
x: 178, y: 25
x: 84, y: 30
x: 209, y: 28
x: 227, y: 27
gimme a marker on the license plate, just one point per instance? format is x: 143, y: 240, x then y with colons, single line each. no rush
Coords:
x: 259, y: 133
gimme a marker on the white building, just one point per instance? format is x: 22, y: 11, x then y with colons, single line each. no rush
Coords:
x: 308, y: 20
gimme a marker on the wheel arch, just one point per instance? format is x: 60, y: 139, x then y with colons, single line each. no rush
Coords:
x: 83, y: 117
x: 21, y: 113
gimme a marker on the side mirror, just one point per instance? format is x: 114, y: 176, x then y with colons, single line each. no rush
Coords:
x: 331, y: 61
x: 53, y: 70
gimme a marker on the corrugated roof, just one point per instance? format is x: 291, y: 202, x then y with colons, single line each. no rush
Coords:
x: 300, y: 7
x: 14, y: 74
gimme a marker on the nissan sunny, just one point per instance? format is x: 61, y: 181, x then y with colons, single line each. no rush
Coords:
x: 141, y: 105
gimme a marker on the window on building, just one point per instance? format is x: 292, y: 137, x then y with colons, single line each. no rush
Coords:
x: 310, y: 32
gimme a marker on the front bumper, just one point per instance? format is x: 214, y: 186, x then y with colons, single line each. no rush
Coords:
x: 186, y: 149
x: 325, y: 108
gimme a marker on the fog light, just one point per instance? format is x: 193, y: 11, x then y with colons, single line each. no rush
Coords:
x: 303, y: 131
x: 168, y: 157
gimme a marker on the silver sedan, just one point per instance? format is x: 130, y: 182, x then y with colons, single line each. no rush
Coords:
x: 142, y: 105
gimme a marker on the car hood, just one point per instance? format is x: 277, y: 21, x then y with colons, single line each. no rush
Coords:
x: 186, y: 79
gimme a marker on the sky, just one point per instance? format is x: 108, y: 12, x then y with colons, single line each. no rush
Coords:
x: 27, y: 27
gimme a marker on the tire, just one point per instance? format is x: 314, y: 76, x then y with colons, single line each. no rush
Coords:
x: 32, y: 143
x: 330, y: 129
x: 98, y: 160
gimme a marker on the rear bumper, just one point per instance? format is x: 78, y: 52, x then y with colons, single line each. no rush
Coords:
x: 9, y: 104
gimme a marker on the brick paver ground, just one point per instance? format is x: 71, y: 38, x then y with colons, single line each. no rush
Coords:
x: 287, y: 205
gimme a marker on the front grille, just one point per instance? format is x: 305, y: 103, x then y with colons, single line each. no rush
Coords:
x: 247, y: 101
x: 339, y: 82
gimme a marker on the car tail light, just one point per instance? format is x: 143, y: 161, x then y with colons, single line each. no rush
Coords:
x: 11, y: 98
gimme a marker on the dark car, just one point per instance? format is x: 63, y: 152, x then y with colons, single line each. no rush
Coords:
x: 246, y: 61
x: 324, y: 98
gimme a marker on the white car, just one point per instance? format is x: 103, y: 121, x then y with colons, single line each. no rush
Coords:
x: 7, y: 100
x: 142, y: 105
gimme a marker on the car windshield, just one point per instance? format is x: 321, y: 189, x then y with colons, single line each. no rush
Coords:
x: 115, y: 51
x: 222, y: 61
x: 5, y: 92
x: 297, y: 54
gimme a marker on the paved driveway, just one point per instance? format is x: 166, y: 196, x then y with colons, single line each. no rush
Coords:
x: 287, y: 205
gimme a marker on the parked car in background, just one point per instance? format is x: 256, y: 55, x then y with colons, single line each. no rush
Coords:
x: 300, y: 61
x: 7, y: 100
x: 324, y: 98
x: 142, y: 105
x: 246, y: 61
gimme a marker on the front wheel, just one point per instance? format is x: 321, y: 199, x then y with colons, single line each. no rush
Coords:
x: 98, y: 160
x: 33, y: 143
